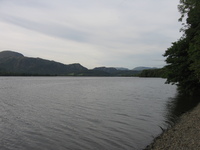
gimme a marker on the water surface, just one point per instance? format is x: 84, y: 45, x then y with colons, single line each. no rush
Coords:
x: 82, y: 113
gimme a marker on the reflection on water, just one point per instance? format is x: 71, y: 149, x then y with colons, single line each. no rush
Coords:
x: 179, y: 105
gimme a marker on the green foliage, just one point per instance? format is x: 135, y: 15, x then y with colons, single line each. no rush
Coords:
x: 183, y: 56
x: 153, y: 73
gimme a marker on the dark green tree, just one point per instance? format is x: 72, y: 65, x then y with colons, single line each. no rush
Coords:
x: 153, y: 73
x: 183, y: 57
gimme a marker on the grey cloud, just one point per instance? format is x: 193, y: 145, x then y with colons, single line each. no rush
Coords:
x: 51, y: 29
x: 26, y: 3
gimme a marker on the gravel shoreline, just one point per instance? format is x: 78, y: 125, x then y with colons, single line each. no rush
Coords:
x: 184, y: 135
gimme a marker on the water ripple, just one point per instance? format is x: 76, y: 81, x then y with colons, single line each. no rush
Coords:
x: 81, y: 113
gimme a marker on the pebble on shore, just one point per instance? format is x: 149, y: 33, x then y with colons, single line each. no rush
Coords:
x: 184, y: 135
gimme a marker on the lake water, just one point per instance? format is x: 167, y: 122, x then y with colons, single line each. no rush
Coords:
x: 83, y: 113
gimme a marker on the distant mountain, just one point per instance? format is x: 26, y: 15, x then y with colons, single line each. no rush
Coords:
x: 121, y: 68
x: 110, y: 70
x: 143, y: 68
x: 15, y: 63
x: 8, y: 54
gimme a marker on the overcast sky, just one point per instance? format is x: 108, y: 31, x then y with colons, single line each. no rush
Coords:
x: 94, y: 33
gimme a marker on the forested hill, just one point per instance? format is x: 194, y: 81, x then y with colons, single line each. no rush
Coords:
x: 16, y: 64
